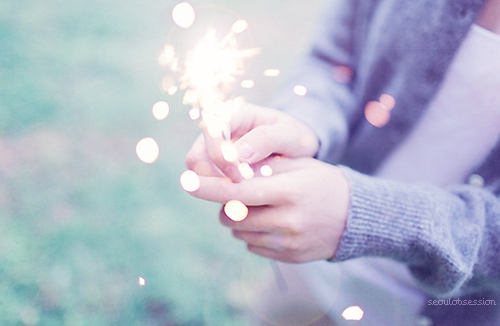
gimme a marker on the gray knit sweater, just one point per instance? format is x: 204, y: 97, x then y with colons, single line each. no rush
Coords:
x: 449, y: 238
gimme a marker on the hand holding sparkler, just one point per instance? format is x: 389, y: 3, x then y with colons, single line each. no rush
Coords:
x: 296, y: 215
x: 257, y: 133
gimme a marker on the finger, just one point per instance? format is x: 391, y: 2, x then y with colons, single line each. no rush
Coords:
x: 263, y: 131
x: 276, y: 165
x: 223, y: 154
x: 197, y: 160
x: 259, y: 219
x: 273, y: 190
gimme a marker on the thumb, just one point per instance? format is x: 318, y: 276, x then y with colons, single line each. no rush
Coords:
x: 286, y: 138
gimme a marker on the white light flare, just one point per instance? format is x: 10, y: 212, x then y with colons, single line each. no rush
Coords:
x: 142, y: 281
x: 147, y: 150
x: 271, y: 72
x: 247, y: 83
x: 172, y: 90
x: 194, y: 113
x: 300, y: 90
x: 353, y: 313
x: 229, y: 151
x: 167, y: 55
x: 190, y: 181
x: 246, y: 171
x: 183, y: 15
x: 236, y: 210
x: 266, y: 171
x: 161, y: 110
x: 239, y: 26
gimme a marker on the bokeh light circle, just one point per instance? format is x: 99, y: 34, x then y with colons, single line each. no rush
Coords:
x: 190, y: 181
x: 236, y: 210
x: 161, y: 110
x: 147, y: 150
x: 183, y: 15
x: 300, y: 90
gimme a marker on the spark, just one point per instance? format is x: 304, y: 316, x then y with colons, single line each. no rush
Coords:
x: 183, y: 15
x: 236, y: 210
x: 147, y: 150
x: 300, y: 90
x: 161, y: 110
x: 239, y: 26
x: 266, y: 171
x: 271, y: 72
x: 247, y: 83
x: 142, y: 281
x: 194, y: 113
x: 246, y: 171
x: 190, y: 181
x: 353, y: 313
x: 229, y: 151
x: 207, y: 72
x: 172, y: 90
x: 167, y: 55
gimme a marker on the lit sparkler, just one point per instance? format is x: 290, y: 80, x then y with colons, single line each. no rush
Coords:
x: 206, y: 74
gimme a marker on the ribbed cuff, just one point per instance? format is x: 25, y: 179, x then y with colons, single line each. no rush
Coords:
x: 385, y: 219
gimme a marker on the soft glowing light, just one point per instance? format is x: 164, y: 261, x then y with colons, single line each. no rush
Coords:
x: 342, y: 74
x: 266, y: 171
x: 161, y: 110
x: 236, y: 210
x: 353, y: 313
x: 246, y: 171
x: 388, y: 101
x: 194, y: 113
x: 300, y: 90
x: 167, y: 55
x: 229, y: 151
x: 172, y: 90
x: 190, y: 181
x: 162, y: 59
x: 377, y: 114
x: 247, y: 83
x: 271, y: 72
x: 142, y: 281
x: 476, y: 180
x: 207, y: 72
x: 147, y: 150
x: 239, y: 26
x: 183, y: 15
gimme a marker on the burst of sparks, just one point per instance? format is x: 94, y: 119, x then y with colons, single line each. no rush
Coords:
x: 207, y: 72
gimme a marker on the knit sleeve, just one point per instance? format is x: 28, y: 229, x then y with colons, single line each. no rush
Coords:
x: 326, y: 72
x: 449, y: 239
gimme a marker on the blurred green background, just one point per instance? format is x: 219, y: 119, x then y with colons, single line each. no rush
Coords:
x: 81, y: 217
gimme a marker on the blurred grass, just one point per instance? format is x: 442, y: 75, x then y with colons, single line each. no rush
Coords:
x: 81, y: 218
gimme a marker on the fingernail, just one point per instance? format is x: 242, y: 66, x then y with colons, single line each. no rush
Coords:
x: 244, y: 150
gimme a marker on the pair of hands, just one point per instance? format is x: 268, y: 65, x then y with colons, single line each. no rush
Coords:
x: 298, y: 214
